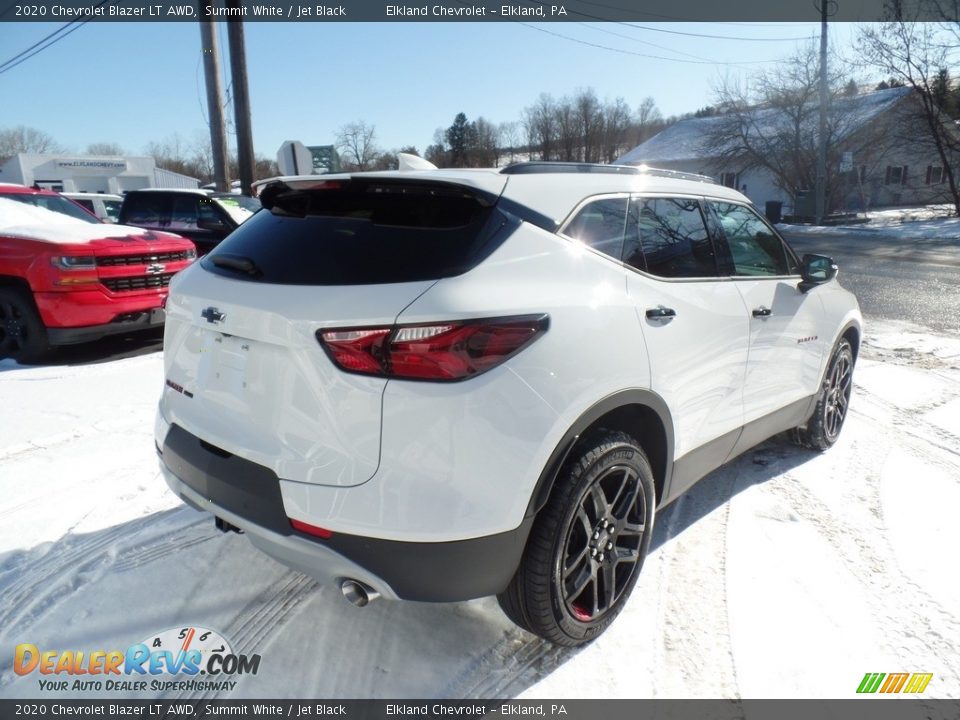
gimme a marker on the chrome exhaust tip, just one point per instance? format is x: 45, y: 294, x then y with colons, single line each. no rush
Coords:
x: 357, y: 593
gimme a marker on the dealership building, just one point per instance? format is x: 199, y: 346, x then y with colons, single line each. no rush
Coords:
x: 91, y: 173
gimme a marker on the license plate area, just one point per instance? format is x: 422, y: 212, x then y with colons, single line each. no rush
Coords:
x: 223, y: 362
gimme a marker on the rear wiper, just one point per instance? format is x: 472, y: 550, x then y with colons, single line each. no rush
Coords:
x: 236, y: 262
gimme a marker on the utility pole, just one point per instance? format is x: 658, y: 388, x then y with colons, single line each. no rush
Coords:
x: 211, y: 68
x: 241, y: 99
x: 824, y: 99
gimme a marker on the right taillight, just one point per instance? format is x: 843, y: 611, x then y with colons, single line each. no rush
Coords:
x: 447, y: 351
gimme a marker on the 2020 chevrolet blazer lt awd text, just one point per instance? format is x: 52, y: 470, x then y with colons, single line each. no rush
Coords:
x: 445, y: 384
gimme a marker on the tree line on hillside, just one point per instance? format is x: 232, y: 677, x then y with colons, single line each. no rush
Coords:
x: 574, y: 128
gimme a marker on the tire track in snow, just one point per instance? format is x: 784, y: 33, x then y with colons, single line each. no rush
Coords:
x: 695, y: 639
x: 260, y: 619
x: 935, y: 629
x: 72, y: 561
x: 510, y: 666
x: 909, y: 420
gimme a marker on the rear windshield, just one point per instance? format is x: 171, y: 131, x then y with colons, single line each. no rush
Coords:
x: 359, y: 233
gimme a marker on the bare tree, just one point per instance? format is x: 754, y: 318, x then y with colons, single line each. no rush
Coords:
x: 649, y: 120
x: 437, y: 151
x: 915, y: 54
x: 23, y: 139
x: 774, y: 126
x: 510, y: 139
x: 568, y: 131
x: 357, y: 146
x: 616, y: 126
x: 105, y: 148
x: 590, y: 124
x: 486, y: 147
x: 172, y: 153
x: 539, y: 121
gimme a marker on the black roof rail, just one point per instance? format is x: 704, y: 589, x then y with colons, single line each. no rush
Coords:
x: 545, y: 166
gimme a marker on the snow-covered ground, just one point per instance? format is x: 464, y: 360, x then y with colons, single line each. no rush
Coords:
x: 929, y: 222
x: 785, y: 574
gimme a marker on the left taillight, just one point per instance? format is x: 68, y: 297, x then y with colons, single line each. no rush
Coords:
x: 445, y: 352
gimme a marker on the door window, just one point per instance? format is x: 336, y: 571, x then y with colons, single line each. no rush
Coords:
x: 754, y: 249
x: 667, y: 237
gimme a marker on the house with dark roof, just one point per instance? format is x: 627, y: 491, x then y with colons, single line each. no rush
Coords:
x: 879, y: 155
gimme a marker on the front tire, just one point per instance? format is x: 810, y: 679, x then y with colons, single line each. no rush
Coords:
x: 587, y: 544
x: 823, y: 428
x: 23, y: 335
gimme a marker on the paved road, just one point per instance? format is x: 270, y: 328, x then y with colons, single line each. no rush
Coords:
x: 912, y: 280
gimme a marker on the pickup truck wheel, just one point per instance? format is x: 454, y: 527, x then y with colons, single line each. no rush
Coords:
x: 587, y: 545
x: 23, y: 336
x: 823, y: 427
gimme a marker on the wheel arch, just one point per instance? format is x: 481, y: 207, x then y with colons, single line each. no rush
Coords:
x: 852, y: 333
x: 14, y: 281
x: 642, y: 414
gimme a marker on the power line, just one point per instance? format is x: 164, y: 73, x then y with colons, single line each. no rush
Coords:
x: 713, y: 37
x: 39, y: 42
x: 678, y: 52
x: 661, y: 30
x: 50, y: 40
x: 630, y: 52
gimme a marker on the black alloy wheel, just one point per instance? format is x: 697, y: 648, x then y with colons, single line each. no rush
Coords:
x: 833, y: 402
x: 587, y: 544
x: 22, y: 334
x: 601, y: 553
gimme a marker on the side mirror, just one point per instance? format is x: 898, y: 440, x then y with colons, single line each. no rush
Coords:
x: 816, y: 270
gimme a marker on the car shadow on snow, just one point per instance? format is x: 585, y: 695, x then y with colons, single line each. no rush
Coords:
x: 114, y: 347
x: 115, y: 587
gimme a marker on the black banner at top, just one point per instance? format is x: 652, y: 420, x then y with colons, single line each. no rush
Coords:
x: 464, y: 10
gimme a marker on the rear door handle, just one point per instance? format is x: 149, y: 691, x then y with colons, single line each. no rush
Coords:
x: 661, y: 312
x: 762, y: 312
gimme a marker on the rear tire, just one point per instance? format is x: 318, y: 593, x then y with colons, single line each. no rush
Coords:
x: 823, y: 428
x: 587, y: 544
x: 23, y: 335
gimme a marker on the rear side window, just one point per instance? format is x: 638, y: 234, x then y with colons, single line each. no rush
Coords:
x: 360, y: 232
x: 667, y: 237
x: 601, y: 224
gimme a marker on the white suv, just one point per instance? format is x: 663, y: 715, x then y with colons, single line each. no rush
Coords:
x: 444, y: 384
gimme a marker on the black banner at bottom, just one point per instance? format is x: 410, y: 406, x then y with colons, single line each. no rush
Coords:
x: 875, y: 708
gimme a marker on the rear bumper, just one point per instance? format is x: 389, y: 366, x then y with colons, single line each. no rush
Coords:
x: 248, y: 496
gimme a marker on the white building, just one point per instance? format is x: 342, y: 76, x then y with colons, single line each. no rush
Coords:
x: 890, y: 162
x: 90, y: 173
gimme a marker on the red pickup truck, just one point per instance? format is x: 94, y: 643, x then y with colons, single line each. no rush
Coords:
x: 67, y: 278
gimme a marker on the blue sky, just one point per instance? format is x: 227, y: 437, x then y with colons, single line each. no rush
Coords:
x: 132, y: 83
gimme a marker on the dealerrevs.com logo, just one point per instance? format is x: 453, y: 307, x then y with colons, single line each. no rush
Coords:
x: 887, y: 683
x: 179, y: 659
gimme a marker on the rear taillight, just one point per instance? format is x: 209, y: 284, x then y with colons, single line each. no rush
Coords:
x: 446, y: 351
